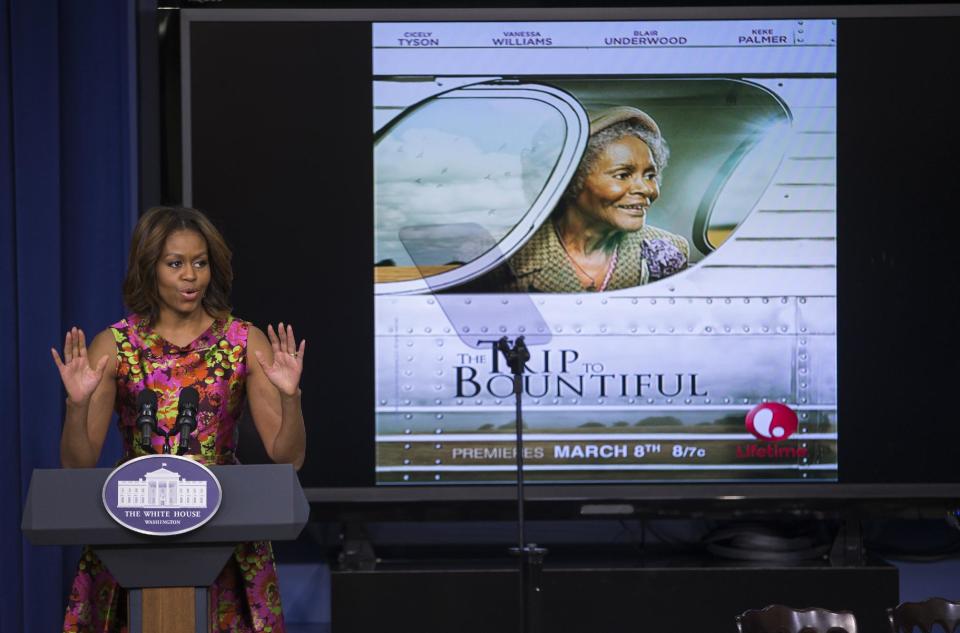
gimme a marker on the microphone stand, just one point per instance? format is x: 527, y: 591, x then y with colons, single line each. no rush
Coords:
x: 531, y: 556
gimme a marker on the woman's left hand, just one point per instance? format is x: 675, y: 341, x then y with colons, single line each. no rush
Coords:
x: 287, y: 364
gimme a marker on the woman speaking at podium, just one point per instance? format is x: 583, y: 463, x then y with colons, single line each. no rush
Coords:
x: 180, y: 333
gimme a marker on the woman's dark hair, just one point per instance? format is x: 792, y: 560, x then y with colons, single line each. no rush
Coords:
x: 155, y: 226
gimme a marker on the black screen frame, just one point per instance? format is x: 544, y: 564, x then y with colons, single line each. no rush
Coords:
x: 342, y: 469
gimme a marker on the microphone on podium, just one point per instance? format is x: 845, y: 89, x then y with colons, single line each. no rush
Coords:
x: 187, y: 417
x: 147, y: 418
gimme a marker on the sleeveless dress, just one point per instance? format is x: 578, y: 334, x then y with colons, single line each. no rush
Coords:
x: 245, y: 597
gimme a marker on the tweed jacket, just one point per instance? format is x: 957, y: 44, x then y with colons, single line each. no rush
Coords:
x: 541, y: 265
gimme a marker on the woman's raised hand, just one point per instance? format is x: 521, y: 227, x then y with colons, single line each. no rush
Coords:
x: 287, y: 364
x: 79, y: 378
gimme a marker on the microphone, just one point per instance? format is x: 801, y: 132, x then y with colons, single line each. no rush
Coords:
x: 517, y: 356
x: 187, y: 416
x: 147, y: 419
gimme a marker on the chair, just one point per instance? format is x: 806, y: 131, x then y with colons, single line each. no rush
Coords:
x: 924, y: 615
x: 780, y: 619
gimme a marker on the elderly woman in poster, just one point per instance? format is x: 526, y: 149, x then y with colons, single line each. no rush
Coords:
x: 598, y: 238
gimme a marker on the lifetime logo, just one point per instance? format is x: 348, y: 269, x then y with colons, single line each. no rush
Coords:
x: 772, y: 421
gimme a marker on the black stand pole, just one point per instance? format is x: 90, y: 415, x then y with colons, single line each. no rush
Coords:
x: 531, y: 556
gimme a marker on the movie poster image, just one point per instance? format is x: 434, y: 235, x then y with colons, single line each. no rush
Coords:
x: 666, y: 245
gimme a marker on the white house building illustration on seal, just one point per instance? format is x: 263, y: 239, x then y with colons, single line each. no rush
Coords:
x: 161, y: 488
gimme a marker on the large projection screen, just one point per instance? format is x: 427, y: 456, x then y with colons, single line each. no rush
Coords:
x: 732, y: 333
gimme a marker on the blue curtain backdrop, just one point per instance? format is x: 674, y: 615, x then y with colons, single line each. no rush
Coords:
x: 67, y: 207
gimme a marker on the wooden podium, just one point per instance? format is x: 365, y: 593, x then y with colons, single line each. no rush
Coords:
x: 167, y: 576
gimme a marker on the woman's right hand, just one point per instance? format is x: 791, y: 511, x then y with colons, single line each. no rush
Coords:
x: 79, y: 378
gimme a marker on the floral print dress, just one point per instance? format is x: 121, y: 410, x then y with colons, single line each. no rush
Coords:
x: 245, y: 597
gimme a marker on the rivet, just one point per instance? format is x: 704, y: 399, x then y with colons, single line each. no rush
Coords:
x: 408, y: 416
x: 708, y: 329
x: 427, y: 330
x: 406, y: 447
x: 653, y: 302
x: 436, y: 477
x: 406, y: 477
x: 406, y: 461
x: 407, y: 431
x: 483, y: 329
x: 439, y: 416
x: 438, y: 431
x: 436, y: 461
x: 669, y: 400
